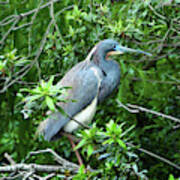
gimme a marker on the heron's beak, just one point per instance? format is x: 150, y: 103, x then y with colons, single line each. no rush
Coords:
x: 120, y: 50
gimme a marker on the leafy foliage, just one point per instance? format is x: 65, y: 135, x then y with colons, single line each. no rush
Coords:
x: 35, y: 51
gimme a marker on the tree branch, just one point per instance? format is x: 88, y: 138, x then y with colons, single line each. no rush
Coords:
x: 155, y: 156
x: 137, y: 109
x: 154, y: 112
x: 36, y: 168
x: 27, y: 68
x: 11, y: 18
x: 59, y: 159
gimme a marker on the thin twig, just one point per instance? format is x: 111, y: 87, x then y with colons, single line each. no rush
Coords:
x: 154, y: 112
x: 19, y: 27
x: 59, y: 159
x: 54, y: 20
x: 9, y: 158
x: 16, y: 18
x: 9, y: 31
x: 154, y: 81
x: 46, y: 177
x: 4, y: 2
x: 159, y: 48
x: 176, y: 127
x: 32, y: 22
x: 11, y: 18
x: 27, y: 68
x: 125, y: 107
x: 28, y: 174
x: 16, y: 79
x: 17, y: 176
x: 156, y: 13
x: 155, y: 156
x: 32, y: 63
x: 137, y: 109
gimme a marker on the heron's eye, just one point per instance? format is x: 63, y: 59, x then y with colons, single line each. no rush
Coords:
x: 114, y: 46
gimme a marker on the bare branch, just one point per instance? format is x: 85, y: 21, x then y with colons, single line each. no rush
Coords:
x: 17, y: 176
x: 32, y: 22
x: 46, y: 177
x: 9, y: 31
x: 16, y: 19
x: 156, y: 13
x: 9, y: 158
x: 154, y: 112
x: 27, y: 68
x: 159, y: 48
x: 125, y: 107
x: 28, y: 174
x: 176, y: 127
x: 137, y: 109
x: 11, y: 18
x: 28, y: 171
x: 17, y: 78
x: 155, y: 81
x: 54, y: 20
x: 155, y: 156
x: 60, y: 160
x: 36, y: 168
x: 4, y: 2
x: 19, y: 27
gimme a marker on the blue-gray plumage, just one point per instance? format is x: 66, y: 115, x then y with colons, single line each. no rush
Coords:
x: 84, y: 88
x: 91, y: 81
x: 111, y: 79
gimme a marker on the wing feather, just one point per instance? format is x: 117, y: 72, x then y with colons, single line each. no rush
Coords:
x: 84, y: 85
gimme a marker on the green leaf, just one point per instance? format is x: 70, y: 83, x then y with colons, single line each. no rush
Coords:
x: 128, y: 130
x: 171, y: 177
x: 50, y: 103
x: 29, y: 99
x: 50, y: 82
x: 109, y: 141
x: 80, y: 144
x: 90, y: 150
x: 121, y: 143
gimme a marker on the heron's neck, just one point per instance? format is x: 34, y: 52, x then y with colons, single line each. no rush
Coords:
x: 98, y: 58
x: 101, y: 62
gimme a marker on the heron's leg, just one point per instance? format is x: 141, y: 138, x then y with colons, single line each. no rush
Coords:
x: 73, y: 146
x: 75, y: 139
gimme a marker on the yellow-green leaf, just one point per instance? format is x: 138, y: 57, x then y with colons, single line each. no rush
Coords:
x: 50, y: 103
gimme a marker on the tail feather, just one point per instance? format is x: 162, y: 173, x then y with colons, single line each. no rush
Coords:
x: 52, y: 125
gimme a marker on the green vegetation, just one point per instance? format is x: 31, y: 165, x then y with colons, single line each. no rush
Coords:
x: 41, y: 40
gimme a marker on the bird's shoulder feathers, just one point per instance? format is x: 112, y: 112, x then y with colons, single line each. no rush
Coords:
x: 84, y: 82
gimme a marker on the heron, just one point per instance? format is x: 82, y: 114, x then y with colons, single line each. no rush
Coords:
x: 91, y: 82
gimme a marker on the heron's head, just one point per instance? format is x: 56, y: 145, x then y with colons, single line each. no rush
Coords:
x: 109, y: 47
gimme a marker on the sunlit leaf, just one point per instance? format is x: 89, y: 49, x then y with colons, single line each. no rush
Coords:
x: 50, y: 103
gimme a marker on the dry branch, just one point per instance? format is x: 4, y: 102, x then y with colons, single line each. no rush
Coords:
x: 155, y: 156
x: 16, y: 18
x: 65, y: 163
x: 156, y: 13
x: 154, y: 112
x: 137, y: 109
x: 11, y: 18
x: 9, y: 158
x: 36, y: 168
x: 9, y: 31
x: 27, y: 68
x: 27, y: 171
